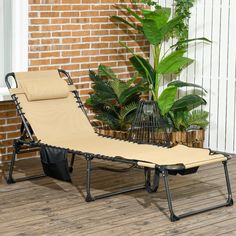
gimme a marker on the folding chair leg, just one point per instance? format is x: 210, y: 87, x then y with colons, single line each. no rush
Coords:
x: 89, y: 196
x: 72, y: 163
x: 174, y: 217
x: 10, y: 179
x: 230, y: 201
x: 151, y: 188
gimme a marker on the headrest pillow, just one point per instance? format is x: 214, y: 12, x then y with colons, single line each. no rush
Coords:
x: 44, y: 89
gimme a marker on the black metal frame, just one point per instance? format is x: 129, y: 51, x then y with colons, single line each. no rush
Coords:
x: 174, y: 217
x: 27, y: 143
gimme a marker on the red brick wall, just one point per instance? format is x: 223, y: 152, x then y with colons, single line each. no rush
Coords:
x: 9, y: 128
x: 10, y: 124
x: 75, y: 35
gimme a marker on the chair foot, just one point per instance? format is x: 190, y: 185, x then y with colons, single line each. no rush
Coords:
x: 10, y: 181
x: 89, y: 198
x: 174, y: 218
x: 230, y: 202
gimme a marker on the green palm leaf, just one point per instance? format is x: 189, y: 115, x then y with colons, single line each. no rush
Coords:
x: 179, y: 84
x: 118, y: 86
x: 156, y: 35
x: 198, y: 118
x: 95, y: 78
x: 144, y: 68
x: 167, y: 99
x: 186, y: 42
x: 160, y: 16
x: 188, y: 103
x: 106, y: 72
x: 130, y: 93
x: 109, y: 120
x: 131, y: 81
x: 151, y: 32
x: 174, y: 63
x: 127, y: 110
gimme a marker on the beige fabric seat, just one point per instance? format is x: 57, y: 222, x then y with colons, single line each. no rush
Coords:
x: 56, y: 120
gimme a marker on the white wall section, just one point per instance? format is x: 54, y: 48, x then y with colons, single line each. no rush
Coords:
x: 13, y: 40
x: 215, y: 67
x: 20, y: 35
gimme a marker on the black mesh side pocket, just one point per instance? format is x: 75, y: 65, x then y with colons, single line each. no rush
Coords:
x: 55, y: 163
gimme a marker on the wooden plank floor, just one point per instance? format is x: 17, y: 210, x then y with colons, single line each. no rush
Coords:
x: 50, y: 207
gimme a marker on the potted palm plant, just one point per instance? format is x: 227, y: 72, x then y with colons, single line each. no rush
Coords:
x: 158, y: 26
x: 113, y: 101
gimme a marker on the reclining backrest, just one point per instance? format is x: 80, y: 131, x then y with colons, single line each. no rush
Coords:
x: 50, y: 107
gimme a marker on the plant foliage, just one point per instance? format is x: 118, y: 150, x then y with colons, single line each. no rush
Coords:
x: 158, y: 25
x: 184, y: 120
x: 182, y: 8
x: 114, y: 101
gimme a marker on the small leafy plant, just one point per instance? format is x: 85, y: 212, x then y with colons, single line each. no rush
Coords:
x: 184, y: 120
x: 182, y: 8
x: 114, y: 101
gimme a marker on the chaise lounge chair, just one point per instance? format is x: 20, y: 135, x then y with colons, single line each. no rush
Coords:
x: 53, y: 116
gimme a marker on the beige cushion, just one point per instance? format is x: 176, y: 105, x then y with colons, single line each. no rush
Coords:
x: 44, y: 89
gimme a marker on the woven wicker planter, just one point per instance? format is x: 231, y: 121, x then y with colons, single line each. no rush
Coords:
x: 192, y: 138
x: 112, y: 133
